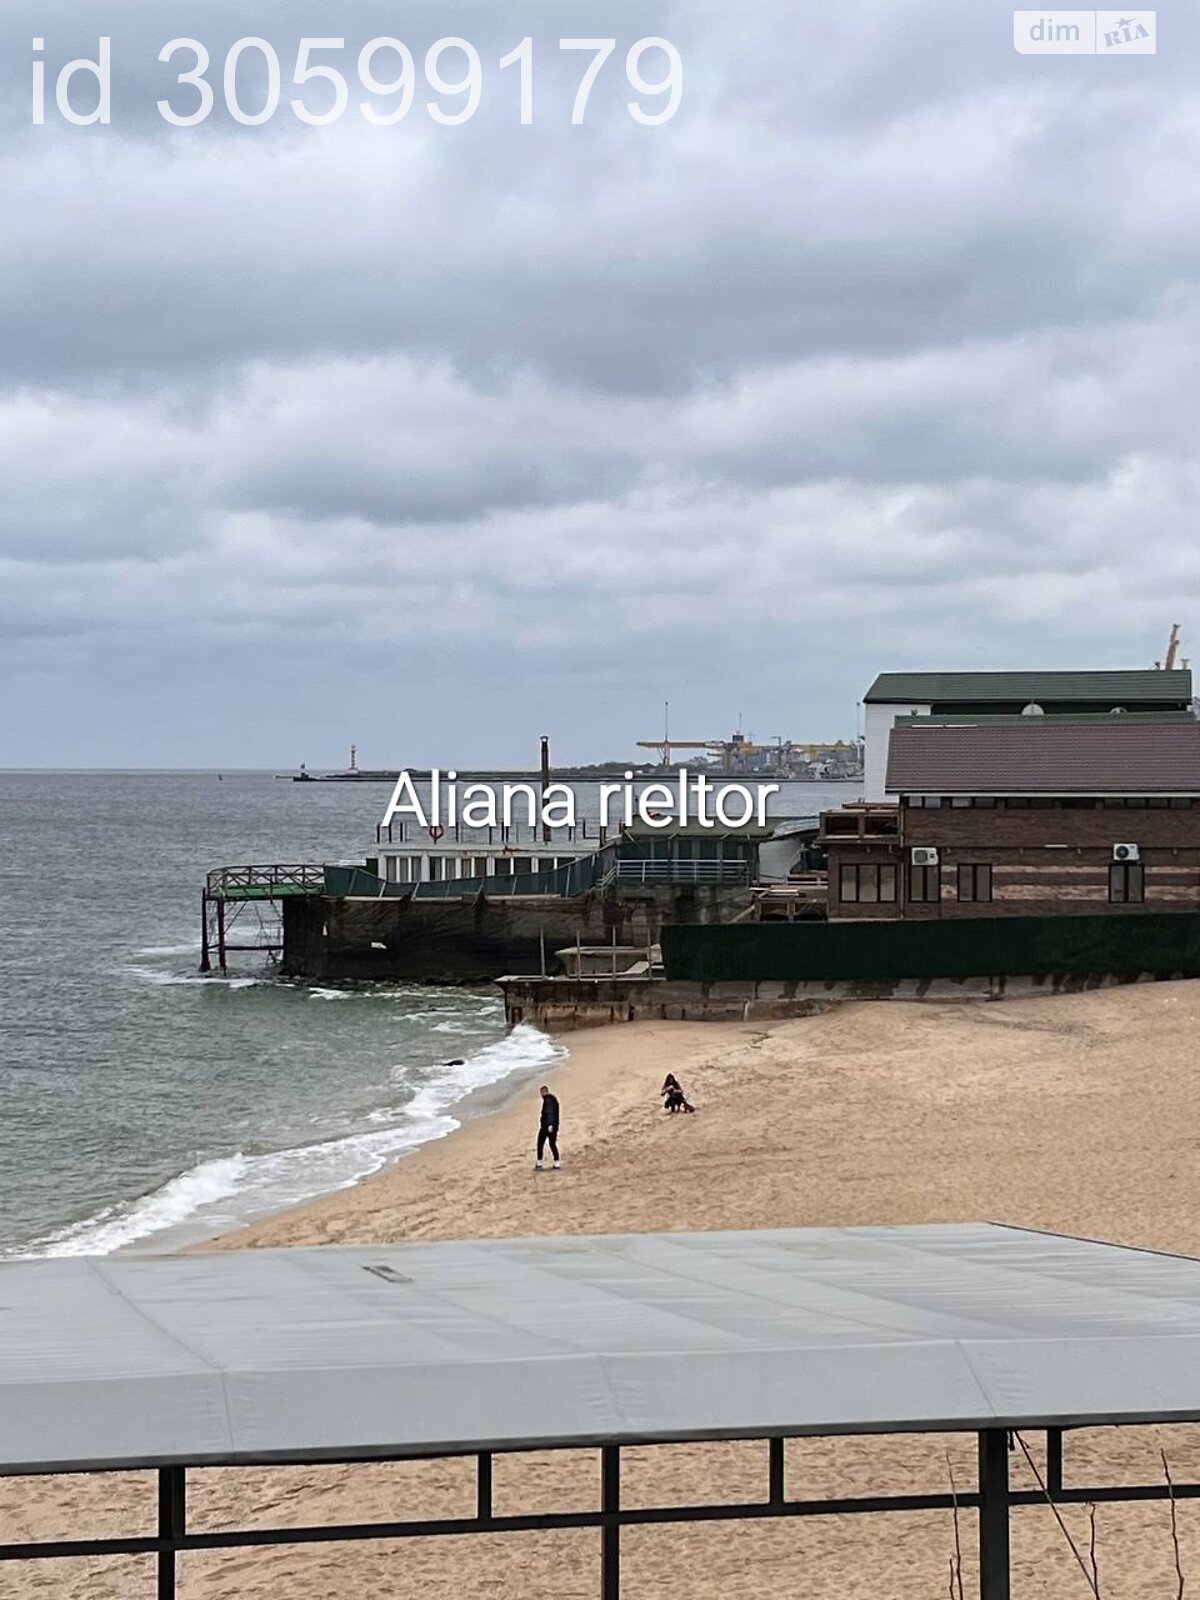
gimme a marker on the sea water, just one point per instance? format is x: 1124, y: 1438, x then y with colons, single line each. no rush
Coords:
x: 142, y: 1105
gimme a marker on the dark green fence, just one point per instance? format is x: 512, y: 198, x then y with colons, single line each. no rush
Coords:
x: 981, y: 947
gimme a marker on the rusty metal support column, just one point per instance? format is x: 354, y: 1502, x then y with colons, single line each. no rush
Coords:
x: 221, y: 956
x: 205, y: 962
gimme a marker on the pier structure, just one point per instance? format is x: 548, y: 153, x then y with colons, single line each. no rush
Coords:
x: 461, y: 905
x: 230, y: 892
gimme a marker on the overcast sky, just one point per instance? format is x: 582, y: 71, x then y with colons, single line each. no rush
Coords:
x: 883, y: 353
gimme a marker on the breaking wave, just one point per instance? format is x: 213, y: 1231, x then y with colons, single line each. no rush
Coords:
x: 172, y: 980
x: 227, y: 1191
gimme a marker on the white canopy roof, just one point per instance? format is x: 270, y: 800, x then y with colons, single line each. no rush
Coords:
x: 405, y: 1350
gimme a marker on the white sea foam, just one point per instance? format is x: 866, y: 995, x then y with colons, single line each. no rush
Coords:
x: 172, y: 980
x: 173, y: 1204
x: 482, y: 1006
x: 221, y: 1193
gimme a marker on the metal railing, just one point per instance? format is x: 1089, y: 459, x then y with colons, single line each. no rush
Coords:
x: 511, y: 834
x: 264, y: 882
x: 685, y: 871
x: 992, y: 1497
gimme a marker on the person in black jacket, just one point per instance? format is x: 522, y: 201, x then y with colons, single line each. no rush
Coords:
x: 548, y: 1130
x: 674, y: 1098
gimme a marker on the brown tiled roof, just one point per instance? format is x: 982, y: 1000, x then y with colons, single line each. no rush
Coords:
x: 1121, y: 757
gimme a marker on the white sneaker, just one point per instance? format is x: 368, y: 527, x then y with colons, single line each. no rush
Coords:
x: 537, y: 1166
x: 557, y: 1165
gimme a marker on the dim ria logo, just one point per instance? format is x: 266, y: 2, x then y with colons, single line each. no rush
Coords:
x: 1084, y: 33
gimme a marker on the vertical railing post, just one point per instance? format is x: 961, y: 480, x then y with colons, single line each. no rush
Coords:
x: 172, y: 1522
x: 1054, y: 1462
x: 775, y: 1471
x: 994, y: 1569
x: 483, y: 1499
x: 610, y: 1533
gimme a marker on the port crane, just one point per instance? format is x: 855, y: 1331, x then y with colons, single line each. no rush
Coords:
x: 666, y: 746
x: 1167, y: 664
x: 731, y: 750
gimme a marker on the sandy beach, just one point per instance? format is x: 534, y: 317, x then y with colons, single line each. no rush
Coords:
x: 1078, y: 1114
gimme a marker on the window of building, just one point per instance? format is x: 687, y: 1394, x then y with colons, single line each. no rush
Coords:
x: 868, y: 883
x: 834, y: 823
x: 975, y: 881
x: 1126, y: 883
x: 522, y: 864
x: 436, y: 867
x: 924, y: 884
x: 480, y: 867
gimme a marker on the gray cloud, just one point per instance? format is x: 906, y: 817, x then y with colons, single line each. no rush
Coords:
x: 881, y: 354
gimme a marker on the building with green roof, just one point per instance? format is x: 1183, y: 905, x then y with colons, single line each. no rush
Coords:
x: 986, y: 695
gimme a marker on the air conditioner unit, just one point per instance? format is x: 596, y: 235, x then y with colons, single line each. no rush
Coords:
x: 924, y: 855
x: 1125, y: 852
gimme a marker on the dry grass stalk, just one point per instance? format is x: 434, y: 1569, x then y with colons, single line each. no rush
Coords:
x: 956, y: 1580
x: 1174, y: 1525
x: 1090, y: 1577
x: 1092, y: 1549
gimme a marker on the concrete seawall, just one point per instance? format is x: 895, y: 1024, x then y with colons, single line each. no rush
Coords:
x: 560, y: 1005
x: 347, y: 938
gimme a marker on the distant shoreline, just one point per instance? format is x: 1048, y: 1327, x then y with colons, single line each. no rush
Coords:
x: 558, y: 775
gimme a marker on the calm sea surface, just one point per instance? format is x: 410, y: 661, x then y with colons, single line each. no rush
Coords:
x: 141, y: 1103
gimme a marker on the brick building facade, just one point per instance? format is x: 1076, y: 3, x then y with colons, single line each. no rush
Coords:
x: 1025, y: 818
